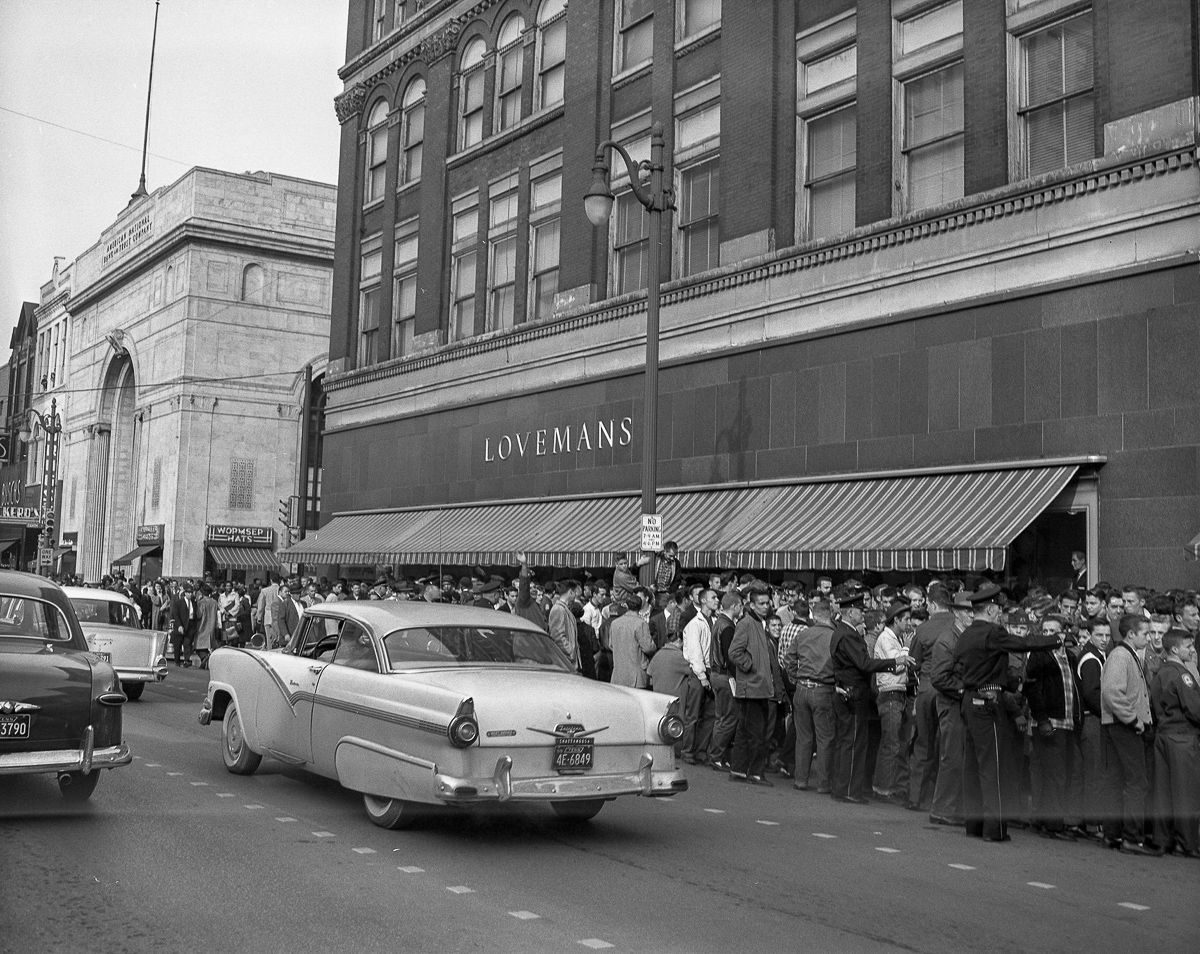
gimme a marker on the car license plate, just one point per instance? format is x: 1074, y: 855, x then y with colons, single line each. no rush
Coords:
x: 15, y: 726
x: 573, y: 755
x: 107, y: 657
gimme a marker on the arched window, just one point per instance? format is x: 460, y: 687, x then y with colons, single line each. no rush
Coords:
x: 252, y: 284
x: 413, y: 133
x: 470, y: 95
x: 376, y: 151
x: 551, y: 52
x: 510, y: 70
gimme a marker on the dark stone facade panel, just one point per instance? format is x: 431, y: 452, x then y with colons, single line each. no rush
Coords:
x: 943, y: 387
x: 860, y: 395
x: 975, y: 384
x: 782, y: 412
x: 1080, y: 370
x: 832, y: 458
x: 1082, y: 435
x: 885, y: 395
x: 1123, y: 379
x: 945, y: 447
x: 781, y: 463
x: 1043, y: 375
x: 1144, y: 429
x: 887, y: 453
x: 1174, y: 369
x: 831, y: 425
x: 1159, y: 472
x: 1008, y: 379
x: 912, y: 411
x: 1010, y: 442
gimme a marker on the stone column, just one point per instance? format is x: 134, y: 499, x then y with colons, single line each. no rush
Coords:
x: 92, y: 549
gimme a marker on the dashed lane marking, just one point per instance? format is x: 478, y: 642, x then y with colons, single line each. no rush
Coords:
x: 323, y: 834
x: 199, y: 784
x: 963, y: 867
x: 363, y: 851
x: 173, y: 774
x: 821, y: 834
x: 715, y: 811
x: 224, y: 794
x: 410, y: 869
x: 595, y: 943
x: 252, y: 807
x: 1132, y: 906
x: 888, y: 851
x: 1039, y: 884
x: 153, y: 765
x: 285, y: 818
x: 761, y: 821
x: 459, y: 889
x: 524, y: 915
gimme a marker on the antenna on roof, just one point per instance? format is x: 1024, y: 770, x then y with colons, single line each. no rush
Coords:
x: 140, y: 192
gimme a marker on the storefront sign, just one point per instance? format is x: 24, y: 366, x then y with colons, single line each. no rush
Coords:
x: 246, y: 536
x: 30, y: 516
x: 12, y: 493
x: 136, y: 231
x: 69, y: 539
x: 568, y: 439
x: 151, y: 535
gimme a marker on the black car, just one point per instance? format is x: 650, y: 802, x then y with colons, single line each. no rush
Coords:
x: 60, y: 704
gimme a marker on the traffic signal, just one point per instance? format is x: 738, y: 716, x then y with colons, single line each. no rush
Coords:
x: 284, y: 508
x: 48, y: 525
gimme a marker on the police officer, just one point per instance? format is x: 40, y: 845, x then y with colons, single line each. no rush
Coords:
x: 1175, y: 697
x: 852, y: 672
x: 981, y: 662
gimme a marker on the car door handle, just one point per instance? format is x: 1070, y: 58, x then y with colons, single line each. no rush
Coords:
x: 315, y: 669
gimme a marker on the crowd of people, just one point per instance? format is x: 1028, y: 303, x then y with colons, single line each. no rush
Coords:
x: 1073, y: 714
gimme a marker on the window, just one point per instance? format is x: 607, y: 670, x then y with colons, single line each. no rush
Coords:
x: 696, y: 16
x: 631, y: 246
x: 404, y: 289
x: 155, y: 483
x: 826, y: 129
x: 830, y: 159
x: 510, y: 71
x: 551, y: 52
x: 369, y: 295
x: 241, y: 483
x: 928, y: 68
x: 545, y: 207
x: 398, y: 14
x: 470, y: 95
x: 376, y: 151
x: 378, y: 15
x: 699, y: 242
x: 933, y: 137
x: 1057, y: 106
x: 252, y: 284
x: 697, y: 141
x: 635, y: 33
x: 413, y: 132
x: 502, y: 254
x: 464, y: 252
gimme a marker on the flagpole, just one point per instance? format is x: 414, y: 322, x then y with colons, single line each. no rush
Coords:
x: 140, y: 192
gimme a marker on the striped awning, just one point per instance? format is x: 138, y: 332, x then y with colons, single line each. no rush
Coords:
x: 136, y: 554
x: 243, y: 558
x: 939, y: 521
x: 1193, y: 547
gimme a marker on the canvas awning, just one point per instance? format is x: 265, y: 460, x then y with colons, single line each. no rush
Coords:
x: 243, y: 558
x: 937, y: 520
x: 136, y: 554
x: 1193, y: 547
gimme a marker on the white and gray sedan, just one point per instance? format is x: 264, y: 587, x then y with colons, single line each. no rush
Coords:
x: 428, y: 704
x: 114, y: 632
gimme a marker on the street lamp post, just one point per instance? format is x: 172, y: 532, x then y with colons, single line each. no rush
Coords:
x: 52, y: 424
x: 656, y: 197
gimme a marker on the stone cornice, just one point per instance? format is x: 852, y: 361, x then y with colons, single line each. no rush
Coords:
x: 1022, y: 197
x: 430, y: 48
x: 200, y: 231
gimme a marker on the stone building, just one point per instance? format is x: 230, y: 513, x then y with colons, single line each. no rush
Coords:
x: 181, y: 362
x: 930, y: 287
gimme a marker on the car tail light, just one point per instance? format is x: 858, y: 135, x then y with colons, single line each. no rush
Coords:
x: 670, y: 728
x: 463, y: 729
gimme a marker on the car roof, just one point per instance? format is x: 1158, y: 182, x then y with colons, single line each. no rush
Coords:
x: 94, y: 593
x: 387, y: 615
x: 16, y: 583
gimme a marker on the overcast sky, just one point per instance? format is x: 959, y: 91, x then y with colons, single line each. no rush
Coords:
x: 238, y: 85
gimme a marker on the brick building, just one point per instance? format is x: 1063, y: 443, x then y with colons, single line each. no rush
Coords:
x: 930, y: 290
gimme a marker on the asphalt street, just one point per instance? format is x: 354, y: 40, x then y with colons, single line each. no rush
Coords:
x: 175, y: 854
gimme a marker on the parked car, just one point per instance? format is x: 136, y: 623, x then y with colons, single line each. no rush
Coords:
x: 428, y: 704
x: 113, y: 631
x: 60, y: 703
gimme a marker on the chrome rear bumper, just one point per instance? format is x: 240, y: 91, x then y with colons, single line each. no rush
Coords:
x: 141, y: 673
x: 502, y: 787
x: 84, y: 759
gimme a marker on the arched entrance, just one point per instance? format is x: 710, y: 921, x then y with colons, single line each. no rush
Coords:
x: 110, y: 523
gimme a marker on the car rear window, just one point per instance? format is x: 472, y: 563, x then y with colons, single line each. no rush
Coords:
x: 35, y: 619
x: 107, y: 612
x: 437, y: 646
